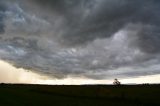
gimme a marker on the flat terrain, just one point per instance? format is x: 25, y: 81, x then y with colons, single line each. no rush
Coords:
x: 84, y: 95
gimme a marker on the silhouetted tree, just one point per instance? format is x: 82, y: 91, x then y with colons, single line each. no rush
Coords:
x: 116, y: 82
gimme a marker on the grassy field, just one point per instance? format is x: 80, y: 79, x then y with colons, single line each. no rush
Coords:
x: 84, y: 95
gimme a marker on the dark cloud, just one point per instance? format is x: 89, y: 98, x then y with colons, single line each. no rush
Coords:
x: 92, y: 38
x: 87, y: 20
x: 2, y: 10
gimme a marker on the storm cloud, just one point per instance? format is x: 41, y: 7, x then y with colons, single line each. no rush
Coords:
x: 87, y: 38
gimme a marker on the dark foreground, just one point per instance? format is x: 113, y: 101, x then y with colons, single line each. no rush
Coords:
x: 85, y: 95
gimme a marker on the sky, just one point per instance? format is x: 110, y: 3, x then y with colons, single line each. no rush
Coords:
x: 58, y: 41
x: 10, y: 74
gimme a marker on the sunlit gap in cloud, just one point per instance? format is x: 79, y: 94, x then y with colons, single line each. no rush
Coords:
x: 10, y: 74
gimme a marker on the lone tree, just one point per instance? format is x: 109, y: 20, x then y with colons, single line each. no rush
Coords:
x: 116, y: 82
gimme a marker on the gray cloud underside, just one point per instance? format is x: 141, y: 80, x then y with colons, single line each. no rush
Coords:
x: 90, y: 38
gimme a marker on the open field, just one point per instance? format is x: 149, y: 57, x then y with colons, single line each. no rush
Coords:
x: 84, y: 95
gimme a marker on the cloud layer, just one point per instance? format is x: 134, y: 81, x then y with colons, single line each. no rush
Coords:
x: 87, y: 38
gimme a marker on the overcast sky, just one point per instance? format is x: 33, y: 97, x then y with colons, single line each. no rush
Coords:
x: 95, y: 39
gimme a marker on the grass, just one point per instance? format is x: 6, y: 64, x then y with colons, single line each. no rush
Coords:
x: 83, y: 95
